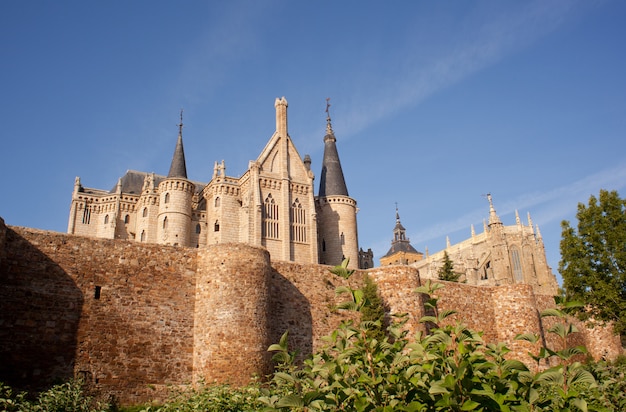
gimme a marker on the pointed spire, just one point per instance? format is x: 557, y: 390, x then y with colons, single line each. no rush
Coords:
x: 530, y: 223
x: 472, y: 230
x: 493, y: 216
x: 517, y: 219
x: 426, y: 251
x: 447, y: 242
x: 178, y: 167
x: 539, y: 238
x: 332, y: 182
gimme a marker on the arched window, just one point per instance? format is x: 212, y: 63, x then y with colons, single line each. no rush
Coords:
x: 298, y: 222
x: 198, y: 228
x: 517, y: 265
x: 143, y: 236
x: 167, y: 198
x: 323, y: 245
x: 145, y: 212
x: 217, y: 202
x: 343, y: 239
x: 126, y: 219
x: 216, y: 226
x: 270, y: 218
x: 106, y: 219
x: 165, y: 222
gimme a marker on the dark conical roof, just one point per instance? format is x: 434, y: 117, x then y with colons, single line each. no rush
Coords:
x: 332, y: 182
x: 178, y: 167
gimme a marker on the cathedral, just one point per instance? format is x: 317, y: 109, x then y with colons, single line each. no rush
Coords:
x: 501, y: 255
x: 272, y: 205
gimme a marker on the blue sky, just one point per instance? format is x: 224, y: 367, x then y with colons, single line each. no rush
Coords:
x: 434, y: 104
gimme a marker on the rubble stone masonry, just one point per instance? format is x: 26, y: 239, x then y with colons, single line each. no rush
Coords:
x: 136, y: 320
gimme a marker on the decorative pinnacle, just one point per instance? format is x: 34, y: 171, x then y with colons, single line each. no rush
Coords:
x: 180, y: 125
x: 329, y: 127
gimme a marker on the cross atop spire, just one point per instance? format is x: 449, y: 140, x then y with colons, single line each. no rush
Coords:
x: 329, y: 127
x: 180, y: 125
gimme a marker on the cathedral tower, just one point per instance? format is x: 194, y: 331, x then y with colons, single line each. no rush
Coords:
x: 336, y: 209
x: 401, y: 251
x: 175, y: 197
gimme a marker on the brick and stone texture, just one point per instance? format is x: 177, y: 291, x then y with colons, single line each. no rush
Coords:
x: 136, y: 319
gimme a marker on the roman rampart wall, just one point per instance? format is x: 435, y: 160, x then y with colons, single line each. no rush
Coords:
x: 138, y: 319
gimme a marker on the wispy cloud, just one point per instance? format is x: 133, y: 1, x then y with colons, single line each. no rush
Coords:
x: 483, y: 42
x: 546, y: 207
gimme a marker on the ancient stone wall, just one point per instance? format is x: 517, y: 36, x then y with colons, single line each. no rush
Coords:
x: 118, y: 313
x: 135, y: 319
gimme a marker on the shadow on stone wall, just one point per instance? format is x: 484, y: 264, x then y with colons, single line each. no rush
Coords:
x: 290, y: 310
x: 40, y: 307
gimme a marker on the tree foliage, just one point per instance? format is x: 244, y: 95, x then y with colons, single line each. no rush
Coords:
x: 593, y: 259
x: 446, y: 272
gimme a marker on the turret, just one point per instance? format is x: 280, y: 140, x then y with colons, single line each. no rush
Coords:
x: 337, y: 225
x: 175, y: 199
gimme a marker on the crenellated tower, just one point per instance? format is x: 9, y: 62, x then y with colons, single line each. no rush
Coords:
x: 175, y: 199
x: 336, y: 210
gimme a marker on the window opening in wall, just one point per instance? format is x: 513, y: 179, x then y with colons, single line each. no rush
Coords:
x: 217, y: 202
x: 126, y: 219
x: 106, y: 219
x: 298, y: 222
x: 96, y: 292
x: 343, y: 239
x: 270, y: 218
x: 167, y: 198
x: 216, y: 226
x: 86, y: 214
x: 517, y: 265
x: 165, y: 222
x: 323, y: 245
x: 145, y: 212
x: 143, y: 236
x: 198, y: 228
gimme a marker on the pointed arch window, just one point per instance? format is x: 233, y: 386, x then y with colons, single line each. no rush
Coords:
x: 165, y: 222
x: 142, y: 238
x: 126, y: 219
x: 87, y: 214
x: 270, y: 218
x: 106, y: 219
x: 218, y: 202
x: 145, y: 212
x: 298, y: 222
x: 167, y: 198
x: 516, y: 263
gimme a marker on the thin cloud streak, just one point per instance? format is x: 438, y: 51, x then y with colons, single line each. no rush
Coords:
x: 545, y: 207
x: 484, y: 44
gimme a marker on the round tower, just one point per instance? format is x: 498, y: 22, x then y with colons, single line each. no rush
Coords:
x: 337, y: 226
x: 231, y: 331
x: 175, y: 200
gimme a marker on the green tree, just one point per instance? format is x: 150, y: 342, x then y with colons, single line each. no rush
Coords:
x: 373, y: 310
x: 593, y: 259
x: 446, y: 272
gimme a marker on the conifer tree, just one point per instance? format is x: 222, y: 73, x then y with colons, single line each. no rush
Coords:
x: 593, y: 259
x: 446, y: 272
x: 373, y: 309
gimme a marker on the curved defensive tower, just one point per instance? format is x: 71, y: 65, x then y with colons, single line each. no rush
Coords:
x: 337, y: 224
x: 231, y: 334
x: 175, y: 200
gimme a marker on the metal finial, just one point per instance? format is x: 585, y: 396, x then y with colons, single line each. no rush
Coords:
x: 180, y: 126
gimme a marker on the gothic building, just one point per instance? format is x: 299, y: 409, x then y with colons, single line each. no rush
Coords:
x: 501, y: 255
x: 401, y: 251
x: 271, y: 205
